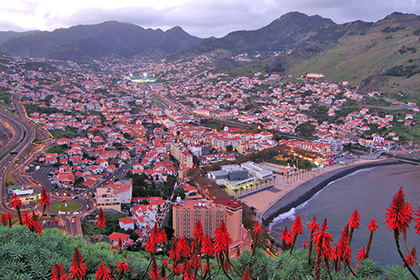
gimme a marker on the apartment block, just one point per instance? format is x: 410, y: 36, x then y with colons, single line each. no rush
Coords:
x: 186, y: 213
x: 182, y: 155
x: 112, y: 195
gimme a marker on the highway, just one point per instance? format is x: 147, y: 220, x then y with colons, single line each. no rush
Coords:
x: 23, y: 134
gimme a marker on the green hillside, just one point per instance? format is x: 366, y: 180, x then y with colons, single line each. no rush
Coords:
x: 387, y: 53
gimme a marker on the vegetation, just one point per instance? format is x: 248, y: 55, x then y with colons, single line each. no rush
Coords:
x: 144, y: 186
x: 89, y: 225
x: 29, y: 252
x: 66, y: 206
x: 305, y: 129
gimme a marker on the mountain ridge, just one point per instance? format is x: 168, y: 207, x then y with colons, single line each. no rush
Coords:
x: 123, y: 39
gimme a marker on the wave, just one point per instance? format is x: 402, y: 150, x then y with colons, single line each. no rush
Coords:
x: 291, y: 213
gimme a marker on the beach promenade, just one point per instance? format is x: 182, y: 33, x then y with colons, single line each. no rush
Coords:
x: 292, y: 190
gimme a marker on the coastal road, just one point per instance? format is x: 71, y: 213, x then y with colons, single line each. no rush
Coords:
x: 20, y: 144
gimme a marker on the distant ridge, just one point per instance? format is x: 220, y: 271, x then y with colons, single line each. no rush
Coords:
x: 83, y: 42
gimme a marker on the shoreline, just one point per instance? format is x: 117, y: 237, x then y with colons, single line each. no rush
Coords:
x: 307, y: 189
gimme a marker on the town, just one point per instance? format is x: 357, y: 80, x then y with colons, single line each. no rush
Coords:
x: 192, y: 145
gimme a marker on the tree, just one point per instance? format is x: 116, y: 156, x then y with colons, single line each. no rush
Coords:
x: 134, y: 236
x: 305, y: 129
x: 178, y: 192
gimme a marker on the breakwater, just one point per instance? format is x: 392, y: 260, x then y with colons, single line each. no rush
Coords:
x: 308, y: 189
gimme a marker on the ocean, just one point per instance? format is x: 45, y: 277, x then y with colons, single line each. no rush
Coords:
x: 370, y: 191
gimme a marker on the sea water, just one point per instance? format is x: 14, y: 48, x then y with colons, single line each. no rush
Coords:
x: 370, y: 191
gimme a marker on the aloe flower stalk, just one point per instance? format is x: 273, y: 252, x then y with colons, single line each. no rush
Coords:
x: 17, y: 204
x: 354, y: 223
x: 398, y: 218
x: 9, y: 217
x: 3, y: 219
x: 372, y: 227
x: 313, y: 227
x: 103, y: 273
x: 58, y: 272
x: 121, y: 269
x: 78, y: 265
x: 44, y: 201
x: 257, y: 230
x: 101, y: 218
x: 297, y: 229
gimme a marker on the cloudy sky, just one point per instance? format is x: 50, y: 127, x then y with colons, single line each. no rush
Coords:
x: 202, y: 18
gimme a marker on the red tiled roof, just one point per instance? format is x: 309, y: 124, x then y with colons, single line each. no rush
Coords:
x: 115, y: 236
x: 126, y: 220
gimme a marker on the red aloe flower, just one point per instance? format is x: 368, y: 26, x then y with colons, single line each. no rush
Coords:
x: 297, y: 226
x: 154, y: 271
x: 28, y: 221
x: 297, y: 229
x: 257, y: 228
x: 354, y: 221
x: 153, y: 240
x: 411, y: 257
x: 4, y: 219
x: 187, y: 271
x: 162, y: 237
x: 101, y: 218
x: 207, y: 247
x: 183, y: 248
x: 45, y: 199
x: 324, y: 238
x: 37, y: 224
x: 165, y: 262
x: 122, y: 267
x: 289, y: 238
x: 400, y: 213
x: 173, y: 253
x: 343, y: 248
x: 313, y: 225
x: 222, y: 239
x: 322, y: 241
x: 16, y: 202
x: 103, y: 273
x: 177, y: 270
x: 246, y: 274
x: 151, y: 244
x: 361, y: 254
x: 373, y: 225
x: 198, y: 231
x: 78, y: 266
x: 58, y: 272
x: 305, y: 244
x: 284, y: 234
x: 417, y: 220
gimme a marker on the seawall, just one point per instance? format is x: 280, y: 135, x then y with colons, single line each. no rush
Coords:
x: 309, y: 188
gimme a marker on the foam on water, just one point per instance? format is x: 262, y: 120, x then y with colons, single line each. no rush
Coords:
x: 291, y: 213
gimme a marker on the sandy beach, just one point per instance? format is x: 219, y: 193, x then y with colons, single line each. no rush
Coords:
x: 269, y: 202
